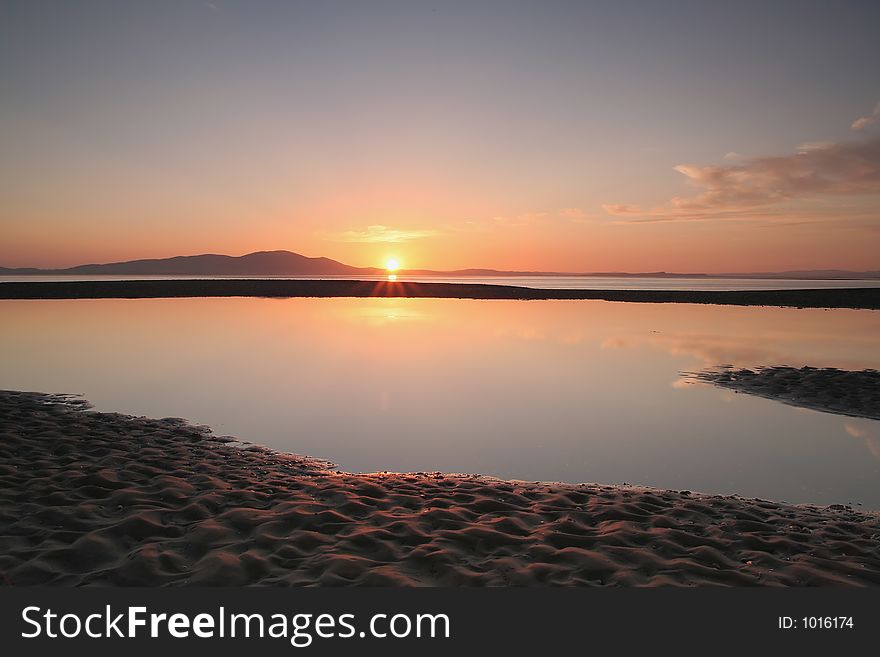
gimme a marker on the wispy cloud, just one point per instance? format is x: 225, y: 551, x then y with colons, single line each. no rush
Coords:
x: 814, y: 146
x: 740, y: 190
x: 750, y: 188
x: 379, y: 233
x: 865, y: 121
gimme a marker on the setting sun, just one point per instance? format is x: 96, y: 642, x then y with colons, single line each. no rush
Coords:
x: 641, y: 303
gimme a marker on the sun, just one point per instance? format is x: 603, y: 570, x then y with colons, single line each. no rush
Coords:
x: 392, y: 264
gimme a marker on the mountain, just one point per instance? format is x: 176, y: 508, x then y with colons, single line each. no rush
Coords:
x: 287, y: 263
x: 261, y: 263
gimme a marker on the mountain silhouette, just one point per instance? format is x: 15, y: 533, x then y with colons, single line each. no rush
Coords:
x: 260, y: 263
x: 287, y: 263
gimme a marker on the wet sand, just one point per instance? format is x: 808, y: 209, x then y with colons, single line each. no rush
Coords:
x: 844, y: 392
x: 819, y: 298
x: 91, y: 498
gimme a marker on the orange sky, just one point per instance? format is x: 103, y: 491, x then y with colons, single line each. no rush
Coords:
x: 584, y: 139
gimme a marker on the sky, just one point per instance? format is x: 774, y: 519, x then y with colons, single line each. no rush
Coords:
x: 558, y: 136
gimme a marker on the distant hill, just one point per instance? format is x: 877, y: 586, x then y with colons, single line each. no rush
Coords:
x: 287, y: 263
x: 261, y: 263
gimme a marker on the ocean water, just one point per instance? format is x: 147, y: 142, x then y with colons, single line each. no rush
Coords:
x: 576, y: 391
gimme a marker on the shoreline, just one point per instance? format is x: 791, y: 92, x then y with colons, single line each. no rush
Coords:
x: 89, y: 498
x: 852, y: 393
x: 855, y: 298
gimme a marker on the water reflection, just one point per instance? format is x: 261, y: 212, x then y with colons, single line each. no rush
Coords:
x: 549, y: 390
x: 763, y: 336
x: 867, y: 431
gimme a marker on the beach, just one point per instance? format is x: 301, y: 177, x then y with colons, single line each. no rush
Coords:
x: 90, y: 498
x: 868, y: 298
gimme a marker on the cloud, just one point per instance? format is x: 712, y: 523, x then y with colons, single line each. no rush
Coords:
x: 751, y: 187
x: 379, y: 233
x: 808, y: 146
x: 865, y: 121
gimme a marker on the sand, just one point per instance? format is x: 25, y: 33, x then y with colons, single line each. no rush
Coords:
x: 844, y: 392
x: 868, y: 298
x: 91, y: 498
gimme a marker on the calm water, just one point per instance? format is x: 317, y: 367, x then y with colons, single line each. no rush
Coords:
x: 553, y: 282
x: 541, y: 390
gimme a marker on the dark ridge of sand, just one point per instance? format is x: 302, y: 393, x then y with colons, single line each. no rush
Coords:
x: 844, y: 392
x: 868, y: 298
x: 92, y: 498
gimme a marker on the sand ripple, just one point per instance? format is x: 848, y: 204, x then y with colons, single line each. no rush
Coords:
x: 94, y: 498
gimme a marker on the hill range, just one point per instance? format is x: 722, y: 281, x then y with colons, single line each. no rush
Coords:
x: 287, y: 263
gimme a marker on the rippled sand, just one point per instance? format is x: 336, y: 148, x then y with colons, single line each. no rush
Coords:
x: 97, y: 498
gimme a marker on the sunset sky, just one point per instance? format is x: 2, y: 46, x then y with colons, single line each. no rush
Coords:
x: 565, y: 136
